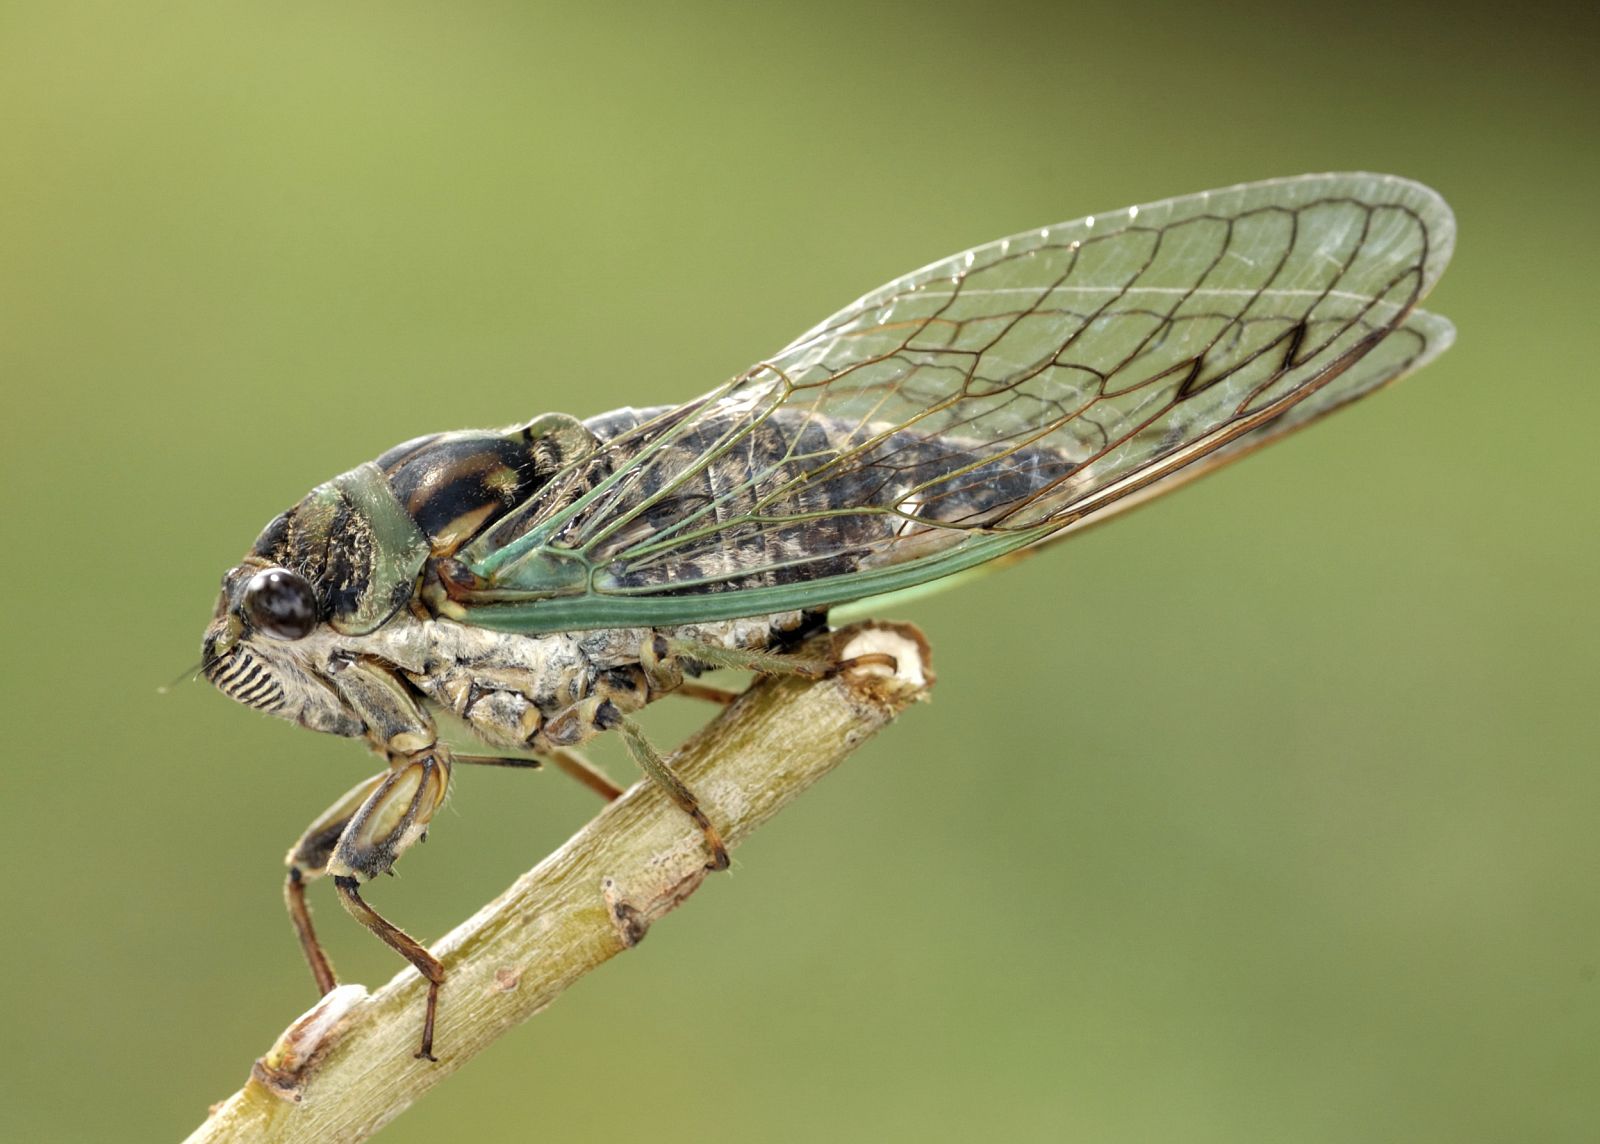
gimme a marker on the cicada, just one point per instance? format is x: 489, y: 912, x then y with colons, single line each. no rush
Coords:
x: 545, y: 581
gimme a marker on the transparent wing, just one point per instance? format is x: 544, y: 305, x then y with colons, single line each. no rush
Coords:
x: 981, y: 405
x: 1419, y: 339
x: 1411, y: 345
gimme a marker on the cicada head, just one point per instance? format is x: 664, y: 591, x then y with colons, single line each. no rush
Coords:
x: 331, y: 570
x: 259, y: 648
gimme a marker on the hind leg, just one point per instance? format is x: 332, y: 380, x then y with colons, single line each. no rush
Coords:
x: 585, y: 719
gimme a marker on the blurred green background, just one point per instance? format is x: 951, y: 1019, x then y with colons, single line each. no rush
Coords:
x: 1266, y: 814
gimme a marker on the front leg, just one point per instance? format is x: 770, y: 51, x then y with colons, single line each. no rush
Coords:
x: 393, y: 816
x: 308, y: 860
x: 405, y: 945
x: 357, y: 838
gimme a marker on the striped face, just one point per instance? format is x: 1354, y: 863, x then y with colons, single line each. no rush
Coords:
x: 262, y: 650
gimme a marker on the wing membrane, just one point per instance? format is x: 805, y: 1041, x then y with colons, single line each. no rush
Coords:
x: 1418, y: 340
x: 983, y: 404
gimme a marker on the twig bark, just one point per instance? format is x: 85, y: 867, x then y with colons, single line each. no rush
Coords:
x: 345, y: 1068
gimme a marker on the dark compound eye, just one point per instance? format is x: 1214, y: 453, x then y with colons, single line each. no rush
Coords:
x: 280, y: 603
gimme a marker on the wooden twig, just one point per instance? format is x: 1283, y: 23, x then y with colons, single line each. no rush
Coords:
x: 345, y: 1068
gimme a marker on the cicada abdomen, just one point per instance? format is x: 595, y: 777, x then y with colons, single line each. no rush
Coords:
x: 796, y: 510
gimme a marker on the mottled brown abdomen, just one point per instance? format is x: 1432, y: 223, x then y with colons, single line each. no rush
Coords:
x: 793, y: 498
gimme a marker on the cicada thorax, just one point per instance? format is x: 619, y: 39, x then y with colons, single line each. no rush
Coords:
x: 365, y: 538
x: 371, y: 541
x: 454, y: 485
